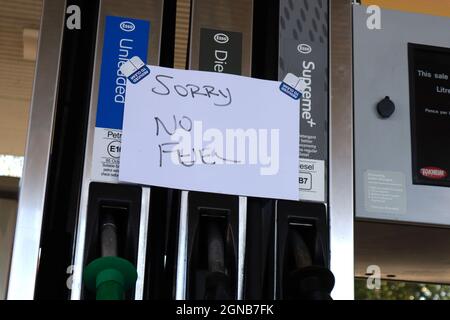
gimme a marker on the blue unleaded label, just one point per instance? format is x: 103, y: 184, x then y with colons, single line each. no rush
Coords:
x: 124, y: 38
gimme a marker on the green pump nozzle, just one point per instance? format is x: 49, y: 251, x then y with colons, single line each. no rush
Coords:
x: 109, y: 276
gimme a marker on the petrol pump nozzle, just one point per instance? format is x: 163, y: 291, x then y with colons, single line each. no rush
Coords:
x: 217, y: 281
x: 307, y: 281
x: 109, y: 276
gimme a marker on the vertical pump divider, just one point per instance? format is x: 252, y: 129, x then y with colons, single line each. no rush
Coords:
x: 25, y: 257
x: 142, y: 245
x: 241, y: 246
x: 275, y: 254
x: 341, y: 183
x: 259, y: 235
x: 81, y: 223
x: 180, y: 291
x: 67, y: 155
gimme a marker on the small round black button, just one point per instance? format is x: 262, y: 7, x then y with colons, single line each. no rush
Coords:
x: 385, y: 108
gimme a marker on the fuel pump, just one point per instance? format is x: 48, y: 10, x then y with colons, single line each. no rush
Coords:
x: 132, y: 31
x: 110, y: 276
x: 215, y: 271
x: 302, y: 241
x: 301, y: 252
x: 83, y: 235
x: 289, y: 241
x: 89, y: 233
x: 401, y: 154
x: 112, y: 240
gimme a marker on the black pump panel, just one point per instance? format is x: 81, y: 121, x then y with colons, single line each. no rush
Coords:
x: 259, y: 249
x: 301, y: 246
x: 120, y: 204
x: 212, y: 246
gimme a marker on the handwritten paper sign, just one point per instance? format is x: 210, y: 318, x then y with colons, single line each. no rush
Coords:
x: 210, y: 132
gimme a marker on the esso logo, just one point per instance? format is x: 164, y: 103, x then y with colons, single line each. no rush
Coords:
x: 127, y: 26
x: 221, y: 38
x: 433, y: 173
x: 304, y: 48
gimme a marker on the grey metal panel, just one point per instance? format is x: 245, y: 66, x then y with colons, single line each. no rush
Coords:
x: 140, y: 9
x: 33, y: 184
x: 307, y: 24
x: 341, y: 210
x: 304, y: 23
x: 381, y: 69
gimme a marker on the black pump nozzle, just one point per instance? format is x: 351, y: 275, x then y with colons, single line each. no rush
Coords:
x: 217, y: 281
x: 307, y: 281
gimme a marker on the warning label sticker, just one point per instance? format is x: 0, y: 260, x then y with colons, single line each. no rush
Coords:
x: 385, y: 191
x: 105, y: 158
x: 311, y: 180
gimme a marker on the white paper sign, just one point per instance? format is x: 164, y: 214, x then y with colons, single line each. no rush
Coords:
x: 211, y: 132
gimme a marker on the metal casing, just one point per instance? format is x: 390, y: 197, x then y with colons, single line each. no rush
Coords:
x: 383, y: 147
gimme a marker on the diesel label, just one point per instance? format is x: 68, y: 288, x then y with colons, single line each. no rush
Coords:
x: 220, y: 51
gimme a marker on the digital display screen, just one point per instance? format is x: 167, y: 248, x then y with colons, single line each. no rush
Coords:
x: 429, y: 79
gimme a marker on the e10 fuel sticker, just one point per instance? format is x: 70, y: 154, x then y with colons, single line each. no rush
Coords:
x: 124, y: 38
